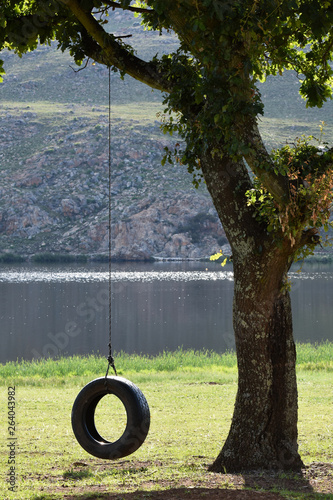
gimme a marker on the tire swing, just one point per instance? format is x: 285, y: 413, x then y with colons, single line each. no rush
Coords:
x: 83, y: 418
x: 135, y: 403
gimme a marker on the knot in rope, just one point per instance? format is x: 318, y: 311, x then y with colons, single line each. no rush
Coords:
x: 110, y: 363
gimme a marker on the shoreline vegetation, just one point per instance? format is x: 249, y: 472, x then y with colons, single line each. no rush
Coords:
x: 59, y: 258
x: 310, y: 358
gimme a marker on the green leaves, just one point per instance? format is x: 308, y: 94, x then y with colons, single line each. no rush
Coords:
x: 225, y: 47
x: 309, y: 169
x: 315, y: 93
x: 217, y: 256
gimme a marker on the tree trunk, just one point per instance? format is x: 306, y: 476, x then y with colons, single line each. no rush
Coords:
x: 263, y: 432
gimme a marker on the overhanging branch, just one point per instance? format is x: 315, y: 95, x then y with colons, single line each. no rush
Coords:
x: 105, y: 49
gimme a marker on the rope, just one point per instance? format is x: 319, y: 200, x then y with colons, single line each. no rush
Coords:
x: 110, y: 357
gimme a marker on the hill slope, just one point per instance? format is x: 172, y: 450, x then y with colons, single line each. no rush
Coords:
x: 54, y: 159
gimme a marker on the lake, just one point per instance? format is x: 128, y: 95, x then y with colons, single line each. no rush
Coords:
x: 55, y: 310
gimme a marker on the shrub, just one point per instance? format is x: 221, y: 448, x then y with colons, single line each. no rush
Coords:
x: 50, y: 258
x: 9, y: 258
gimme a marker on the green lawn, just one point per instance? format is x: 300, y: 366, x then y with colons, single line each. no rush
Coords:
x: 191, y: 397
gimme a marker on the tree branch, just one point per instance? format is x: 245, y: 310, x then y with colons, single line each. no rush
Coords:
x: 107, y: 51
x: 228, y: 181
x: 310, y: 237
x: 140, y: 10
x: 262, y: 165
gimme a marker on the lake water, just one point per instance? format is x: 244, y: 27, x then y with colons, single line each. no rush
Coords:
x: 48, y: 311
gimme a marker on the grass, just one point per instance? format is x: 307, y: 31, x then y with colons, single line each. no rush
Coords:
x: 186, y: 364
x: 279, y: 131
x: 315, y: 357
x: 177, y: 435
x: 63, y: 371
x: 191, y: 396
x: 316, y: 416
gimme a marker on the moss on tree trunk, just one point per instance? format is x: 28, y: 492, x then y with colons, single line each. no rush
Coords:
x: 263, y: 433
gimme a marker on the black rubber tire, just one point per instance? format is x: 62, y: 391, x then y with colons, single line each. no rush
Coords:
x: 83, y: 418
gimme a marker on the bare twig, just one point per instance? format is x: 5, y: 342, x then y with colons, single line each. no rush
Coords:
x: 80, y: 69
x: 122, y: 36
x: 116, y: 5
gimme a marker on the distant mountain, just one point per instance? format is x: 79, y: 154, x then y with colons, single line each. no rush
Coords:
x: 54, y: 159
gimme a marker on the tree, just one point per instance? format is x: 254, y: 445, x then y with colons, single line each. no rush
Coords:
x: 271, y: 205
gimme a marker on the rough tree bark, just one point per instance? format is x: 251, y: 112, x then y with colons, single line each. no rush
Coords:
x: 264, y: 426
x: 263, y: 433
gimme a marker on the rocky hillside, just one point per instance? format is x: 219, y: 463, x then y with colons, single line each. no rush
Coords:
x: 54, y: 159
x: 56, y: 200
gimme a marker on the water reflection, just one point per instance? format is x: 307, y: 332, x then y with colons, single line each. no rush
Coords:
x: 79, y: 276
x: 51, y: 310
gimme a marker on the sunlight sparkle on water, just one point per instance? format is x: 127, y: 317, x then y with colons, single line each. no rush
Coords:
x: 100, y: 276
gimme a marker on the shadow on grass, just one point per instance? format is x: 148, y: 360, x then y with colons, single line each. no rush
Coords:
x: 255, y: 485
x: 193, y: 494
x: 77, y: 474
